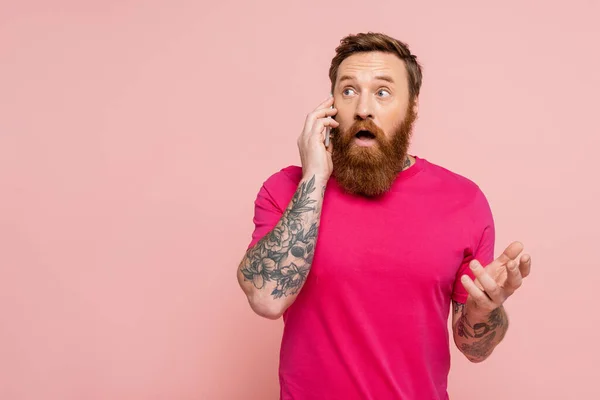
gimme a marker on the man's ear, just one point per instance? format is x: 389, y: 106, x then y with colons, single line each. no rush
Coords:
x: 416, y: 105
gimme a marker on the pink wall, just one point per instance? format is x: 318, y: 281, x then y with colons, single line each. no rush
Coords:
x: 135, y: 135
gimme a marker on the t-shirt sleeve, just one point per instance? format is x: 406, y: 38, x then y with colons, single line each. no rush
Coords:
x: 266, y: 215
x: 482, y: 243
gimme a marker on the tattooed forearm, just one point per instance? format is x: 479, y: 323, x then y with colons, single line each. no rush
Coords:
x: 477, y: 337
x: 281, y: 261
x: 480, y: 350
x: 458, y: 307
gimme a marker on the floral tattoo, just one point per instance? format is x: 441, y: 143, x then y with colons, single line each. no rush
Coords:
x: 285, y: 255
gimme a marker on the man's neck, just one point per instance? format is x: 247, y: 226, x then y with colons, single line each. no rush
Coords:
x: 408, y: 162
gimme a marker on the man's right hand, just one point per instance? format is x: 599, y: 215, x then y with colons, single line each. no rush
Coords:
x: 315, y: 157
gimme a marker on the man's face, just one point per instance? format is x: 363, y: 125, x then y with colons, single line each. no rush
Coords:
x: 375, y: 115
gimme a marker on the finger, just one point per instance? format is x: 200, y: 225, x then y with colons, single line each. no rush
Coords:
x: 321, y: 124
x: 480, y: 298
x: 312, y: 118
x: 525, y: 265
x: 514, y: 280
x: 326, y: 104
x: 321, y: 113
x: 511, y: 252
x: 493, y: 290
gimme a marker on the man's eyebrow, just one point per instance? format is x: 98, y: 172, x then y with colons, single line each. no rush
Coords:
x: 378, y: 77
x: 385, y: 78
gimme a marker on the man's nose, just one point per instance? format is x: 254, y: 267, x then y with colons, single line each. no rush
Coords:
x: 363, y: 108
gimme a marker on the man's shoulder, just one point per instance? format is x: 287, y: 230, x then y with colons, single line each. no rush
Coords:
x: 452, y: 182
x: 285, y: 179
x: 450, y: 177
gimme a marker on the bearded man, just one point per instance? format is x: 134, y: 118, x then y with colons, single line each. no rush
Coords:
x: 365, y: 248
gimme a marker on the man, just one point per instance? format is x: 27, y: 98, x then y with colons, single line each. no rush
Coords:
x: 364, y: 247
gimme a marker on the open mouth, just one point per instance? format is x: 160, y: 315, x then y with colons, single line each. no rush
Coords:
x: 364, y: 134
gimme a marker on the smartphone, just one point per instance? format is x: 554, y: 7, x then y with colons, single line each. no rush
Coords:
x: 328, y: 133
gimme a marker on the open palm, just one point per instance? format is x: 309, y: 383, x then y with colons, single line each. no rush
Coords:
x: 498, y: 280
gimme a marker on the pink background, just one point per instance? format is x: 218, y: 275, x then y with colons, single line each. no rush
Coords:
x: 135, y: 135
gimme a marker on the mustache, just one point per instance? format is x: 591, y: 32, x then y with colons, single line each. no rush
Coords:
x: 365, y: 125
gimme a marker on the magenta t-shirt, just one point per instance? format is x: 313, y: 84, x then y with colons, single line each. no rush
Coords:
x: 371, y: 321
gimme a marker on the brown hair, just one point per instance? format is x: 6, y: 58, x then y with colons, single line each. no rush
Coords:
x: 371, y: 41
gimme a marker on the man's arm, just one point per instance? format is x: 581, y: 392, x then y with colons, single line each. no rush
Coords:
x: 275, y: 269
x: 481, y: 323
x: 476, y: 337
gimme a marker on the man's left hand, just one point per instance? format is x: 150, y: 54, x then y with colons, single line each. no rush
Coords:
x: 496, y: 282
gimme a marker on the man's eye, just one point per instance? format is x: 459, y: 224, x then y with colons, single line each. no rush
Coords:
x: 346, y: 90
x: 384, y: 91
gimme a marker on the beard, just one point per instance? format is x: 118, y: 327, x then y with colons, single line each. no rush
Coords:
x: 370, y: 171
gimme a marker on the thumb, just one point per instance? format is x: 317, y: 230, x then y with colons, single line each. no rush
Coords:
x: 328, y: 141
x: 329, y: 148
